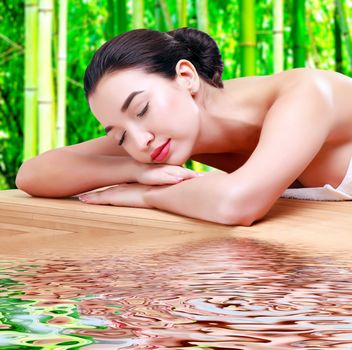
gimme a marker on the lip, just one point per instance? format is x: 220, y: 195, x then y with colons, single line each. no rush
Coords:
x: 161, y: 152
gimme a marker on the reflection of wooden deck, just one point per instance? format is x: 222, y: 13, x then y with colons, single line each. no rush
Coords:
x: 31, y: 225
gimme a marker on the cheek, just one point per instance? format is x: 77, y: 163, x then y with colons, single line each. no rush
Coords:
x: 179, y: 113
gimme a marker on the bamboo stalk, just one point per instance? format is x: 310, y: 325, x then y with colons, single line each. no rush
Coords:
x: 45, y: 96
x: 202, y: 15
x: 313, y: 54
x: 30, y: 80
x: 117, y: 20
x: 278, y: 58
x: 112, y: 19
x: 138, y: 14
x: 298, y: 32
x: 247, y: 37
x: 338, y: 43
x: 53, y: 85
x: 121, y: 16
x: 61, y: 76
x: 166, y: 14
x: 159, y: 18
x: 344, y: 31
x: 182, y: 13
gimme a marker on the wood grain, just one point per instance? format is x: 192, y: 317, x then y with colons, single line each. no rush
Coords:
x: 68, y: 227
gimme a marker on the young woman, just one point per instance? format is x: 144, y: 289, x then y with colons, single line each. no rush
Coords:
x: 161, y: 100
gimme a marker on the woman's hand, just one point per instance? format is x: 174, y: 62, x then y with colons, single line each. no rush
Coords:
x: 124, y: 195
x: 163, y: 174
x: 132, y: 194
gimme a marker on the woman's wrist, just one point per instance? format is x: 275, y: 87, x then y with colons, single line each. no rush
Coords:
x: 136, y: 169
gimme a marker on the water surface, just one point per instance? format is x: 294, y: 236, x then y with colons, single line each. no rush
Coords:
x: 226, y: 293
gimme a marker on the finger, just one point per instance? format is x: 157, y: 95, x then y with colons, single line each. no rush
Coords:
x: 171, y: 179
x: 191, y: 174
x: 98, y: 197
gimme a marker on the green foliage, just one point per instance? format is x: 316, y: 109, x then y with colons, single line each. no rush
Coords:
x: 11, y: 90
x: 85, y: 34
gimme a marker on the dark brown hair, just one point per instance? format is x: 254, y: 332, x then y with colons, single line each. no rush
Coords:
x: 156, y: 52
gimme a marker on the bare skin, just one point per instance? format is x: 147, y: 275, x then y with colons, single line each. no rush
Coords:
x: 265, y: 134
x: 230, y: 120
x: 257, y: 93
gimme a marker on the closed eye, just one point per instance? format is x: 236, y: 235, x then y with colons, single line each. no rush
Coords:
x: 138, y: 115
x: 143, y: 111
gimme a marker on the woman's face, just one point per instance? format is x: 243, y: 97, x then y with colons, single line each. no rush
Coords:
x: 159, y: 110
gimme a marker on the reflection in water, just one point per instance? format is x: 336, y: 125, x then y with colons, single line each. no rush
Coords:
x: 225, y: 294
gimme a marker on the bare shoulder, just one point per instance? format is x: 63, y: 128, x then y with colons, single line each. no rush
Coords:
x: 322, y: 78
x: 288, y: 79
x: 321, y: 86
x: 99, y: 146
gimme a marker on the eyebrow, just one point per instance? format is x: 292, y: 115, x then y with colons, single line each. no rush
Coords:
x: 125, y: 106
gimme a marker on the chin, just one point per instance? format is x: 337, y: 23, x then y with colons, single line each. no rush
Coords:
x: 174, y: 162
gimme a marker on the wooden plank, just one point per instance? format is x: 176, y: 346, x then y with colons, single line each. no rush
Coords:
x: 20, y: 203
x: 70, y: 227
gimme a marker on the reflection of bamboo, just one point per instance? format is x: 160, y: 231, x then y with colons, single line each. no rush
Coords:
x: 182, y: 13
x: 166, y: 14
x: 298, y: 32
x: 30, y: 79
x: 278, y: 36
x: 247, y: 37
x: 138, y: 14
x: 45, y: 92
x: 344, y: 30
x: 61, y: 76
x: 338, y: 43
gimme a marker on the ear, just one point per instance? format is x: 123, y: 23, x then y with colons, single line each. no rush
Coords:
x: 187, y: 76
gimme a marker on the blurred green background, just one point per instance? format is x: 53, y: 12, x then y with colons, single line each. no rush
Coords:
x: 45, y: 46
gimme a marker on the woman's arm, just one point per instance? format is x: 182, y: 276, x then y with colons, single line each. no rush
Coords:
x: 294, y: 130
x: 207, y: 198
x: 75, y: 169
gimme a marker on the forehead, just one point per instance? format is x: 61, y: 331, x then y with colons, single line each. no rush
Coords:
x: 113, y: 89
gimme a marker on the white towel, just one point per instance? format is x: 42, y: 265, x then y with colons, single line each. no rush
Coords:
x: 327, y: 193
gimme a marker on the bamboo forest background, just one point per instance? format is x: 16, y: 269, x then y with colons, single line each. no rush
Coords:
x: 42, y: 103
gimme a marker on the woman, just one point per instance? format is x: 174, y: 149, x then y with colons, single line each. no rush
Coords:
x: 161, y: 100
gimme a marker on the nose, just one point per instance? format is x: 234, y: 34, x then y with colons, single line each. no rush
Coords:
x: 141, y: 139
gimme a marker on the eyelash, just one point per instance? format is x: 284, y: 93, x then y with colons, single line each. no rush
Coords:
x: 138, y: 115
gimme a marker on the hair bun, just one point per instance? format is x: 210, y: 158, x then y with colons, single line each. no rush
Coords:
x: 204, y: 51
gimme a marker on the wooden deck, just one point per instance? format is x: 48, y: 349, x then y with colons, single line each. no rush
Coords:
x: 39, y: 226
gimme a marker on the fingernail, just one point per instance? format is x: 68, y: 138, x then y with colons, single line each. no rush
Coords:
x: 83, y: 198
x: 180, y: 178
x: 199, y: 174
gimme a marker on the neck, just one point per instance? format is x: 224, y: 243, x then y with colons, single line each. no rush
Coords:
x: 223, y: 126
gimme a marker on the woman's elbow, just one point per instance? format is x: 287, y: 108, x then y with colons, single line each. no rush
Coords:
x: 237, y: 220
x: 236, y: 211
x: 21, y: 177
x: 27, y: 181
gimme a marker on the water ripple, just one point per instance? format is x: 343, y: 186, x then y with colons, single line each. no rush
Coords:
x: 224, y: 294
